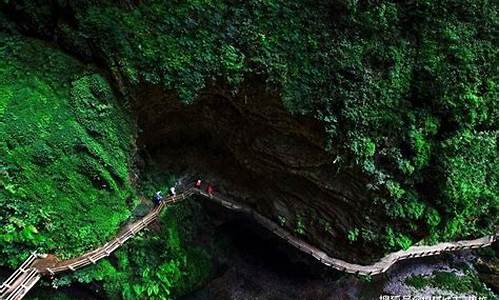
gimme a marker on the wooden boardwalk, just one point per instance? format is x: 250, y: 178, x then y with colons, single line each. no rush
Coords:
x: 26, y: 276
x: 378, y: 267
x: 21, y: 281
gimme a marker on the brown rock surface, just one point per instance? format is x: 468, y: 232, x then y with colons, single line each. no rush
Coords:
x: 253, y: 149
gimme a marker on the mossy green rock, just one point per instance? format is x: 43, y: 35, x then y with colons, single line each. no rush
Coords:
x: 64, y: 153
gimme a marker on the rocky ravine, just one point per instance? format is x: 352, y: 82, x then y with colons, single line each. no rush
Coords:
x: 244, y: 140
x: 277, y: 164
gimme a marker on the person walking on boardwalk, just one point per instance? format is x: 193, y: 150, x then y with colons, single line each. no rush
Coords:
x: 198, y: 184
x: 172, y: 191
x: 210, y: 189
x: 157, y: 198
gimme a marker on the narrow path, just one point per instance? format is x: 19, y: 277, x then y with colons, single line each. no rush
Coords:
x: 25, y: 277
x: 21, y: 281
x: 378, y: 267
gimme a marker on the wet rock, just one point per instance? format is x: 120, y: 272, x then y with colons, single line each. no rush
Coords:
x: 487, y: 268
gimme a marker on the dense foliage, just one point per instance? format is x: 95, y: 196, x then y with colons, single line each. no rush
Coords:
x: 64, y: 153
x: 407, y: 90
x: 65, y: 183
x: 160, y: 265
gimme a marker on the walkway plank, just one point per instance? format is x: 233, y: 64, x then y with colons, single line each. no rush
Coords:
x: 30, y: 272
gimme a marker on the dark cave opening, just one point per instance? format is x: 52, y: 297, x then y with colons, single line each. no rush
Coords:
x: 191, y: 139
x: 255, y: 152
x: 260, y: 248
x: 255, y: 263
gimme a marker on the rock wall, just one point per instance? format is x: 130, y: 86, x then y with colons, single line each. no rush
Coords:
x: 250, y: 147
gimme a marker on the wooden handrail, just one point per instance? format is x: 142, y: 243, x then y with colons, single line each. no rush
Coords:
x: 26, y: 276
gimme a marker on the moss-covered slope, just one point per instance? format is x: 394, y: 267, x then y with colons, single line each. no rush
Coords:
x: 64, y: 153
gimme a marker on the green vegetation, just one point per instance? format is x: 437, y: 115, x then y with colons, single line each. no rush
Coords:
x: 300, y: 227
x: 468, y: 283
x: 353, y: 234
x: 407, y: 91
x: 64, y: 153
x: 64, y: 177
x: 470, y: 192
x: 159, y: 265
x: 282, y: 220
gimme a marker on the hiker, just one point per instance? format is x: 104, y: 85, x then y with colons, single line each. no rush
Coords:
x: 198, y: 184
x: 157, y: 198
x: 210, y: 189
x: 172, y: 191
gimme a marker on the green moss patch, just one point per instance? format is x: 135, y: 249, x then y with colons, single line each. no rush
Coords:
x: 64, y: 153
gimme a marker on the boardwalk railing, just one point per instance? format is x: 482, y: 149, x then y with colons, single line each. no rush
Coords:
x: 28, y: 274
x: 378, y: 267
x: 21, y: 281
x: 125, y: 234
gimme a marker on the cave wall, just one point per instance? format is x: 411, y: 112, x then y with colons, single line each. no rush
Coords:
x: 251, y: 148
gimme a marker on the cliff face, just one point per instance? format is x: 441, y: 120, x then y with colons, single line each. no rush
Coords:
x: 243, y: 139
x: 254, y: 150
x: 404, y: 96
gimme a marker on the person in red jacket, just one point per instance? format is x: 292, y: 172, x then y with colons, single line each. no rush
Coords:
x: 198, y: 184
x: 210, y: 189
